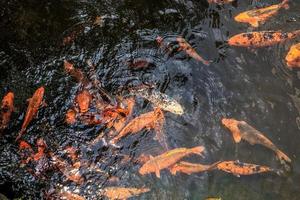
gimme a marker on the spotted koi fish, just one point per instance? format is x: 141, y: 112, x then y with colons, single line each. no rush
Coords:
x: 6, y: 110
x: 262, y: 38
x: 122, y: 193
x: 238, y: 168
x: 167, y: 159
x: 160, y: 100
x: 256, y: 17
x: 241, y: 130
x: 33, y: 106
x: 293, y: 56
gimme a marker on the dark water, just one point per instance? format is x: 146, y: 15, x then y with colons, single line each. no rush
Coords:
x: 250, y: 85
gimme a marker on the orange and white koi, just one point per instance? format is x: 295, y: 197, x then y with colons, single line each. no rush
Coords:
x: 261, y: 38
x: 256, y: 17
x: 241, y: 130
x: 6, y: 109
x: 293, y: 56
x: 33, y: 106
x: 238, y: 168
x: 167, y: 159
x: 185, y: 46
x: 122, y: 193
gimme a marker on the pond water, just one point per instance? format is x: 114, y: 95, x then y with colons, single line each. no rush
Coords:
x: 253, y: 85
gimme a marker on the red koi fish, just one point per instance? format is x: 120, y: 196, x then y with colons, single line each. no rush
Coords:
x: 33, y: 106
x: 7, y: 108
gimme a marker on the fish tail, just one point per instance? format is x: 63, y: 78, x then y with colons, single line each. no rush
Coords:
x: 295, y: 34
x: 197, y: 150
x: 20, y: 134
x: 214, y: 165
x: 282, y: 156
x: 284, y: 4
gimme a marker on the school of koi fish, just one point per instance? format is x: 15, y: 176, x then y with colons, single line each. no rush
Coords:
x: 116, y: 113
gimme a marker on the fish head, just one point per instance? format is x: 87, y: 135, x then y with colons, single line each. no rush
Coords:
x: 293, y: 56
x: 243, y: 17
x: 232, y: 125
x: 83, y: 100
x: 8, y: 99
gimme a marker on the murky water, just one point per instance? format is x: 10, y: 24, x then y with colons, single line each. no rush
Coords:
x: 250, y: 85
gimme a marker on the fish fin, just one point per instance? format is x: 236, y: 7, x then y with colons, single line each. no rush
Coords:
x: 198, y: 150
x: 20, y: 134
x: 151, y: 157
x: 237, y: 175
x: 282, y: 157
x: 157, y: 173
x: 236, y: 137
x: 44, y: 104
x: 172, y: 170
x: 285, y: 4
x: 254, y: 24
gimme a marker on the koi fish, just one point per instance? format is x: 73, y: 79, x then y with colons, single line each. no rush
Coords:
x: 160, y: 100
x: 220, y: 1
x: 293, y: 56
x: 189, y: 168
x: 70, y: 116
x: 167, y: 159
x: 83, y: 100
x: 41, y: 144
x: 238, y: 168
x: 6, y: 110
x: 33, y: 106
x: 70, y: 196
x: 70, y: 172
x: 26, y: 152
x: 185, y: 46
x: 262, y: 38
x: 75, y: 73
x: 122, y: 193
x: 139, y: 64
x: 241, y: 130
x: 256, y: 16
x: 153, y: 119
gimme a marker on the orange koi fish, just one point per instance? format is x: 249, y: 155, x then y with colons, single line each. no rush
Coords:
x: 33, y: 106
x: 167, y: 159
x: 185, y: 46
x: 238, y: 168
x: 262, y: 38
x: 241, y: 130
x: 83, y: 100
x: 6, y: 110
x: 256, y: 17
x: 293, y: 56
x: 189, y: 168
x: 220, y: 1
x: 150, y: 120
x: 122, y: 193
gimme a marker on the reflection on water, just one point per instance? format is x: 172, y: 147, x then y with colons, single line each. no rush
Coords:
x: 250, y: 85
